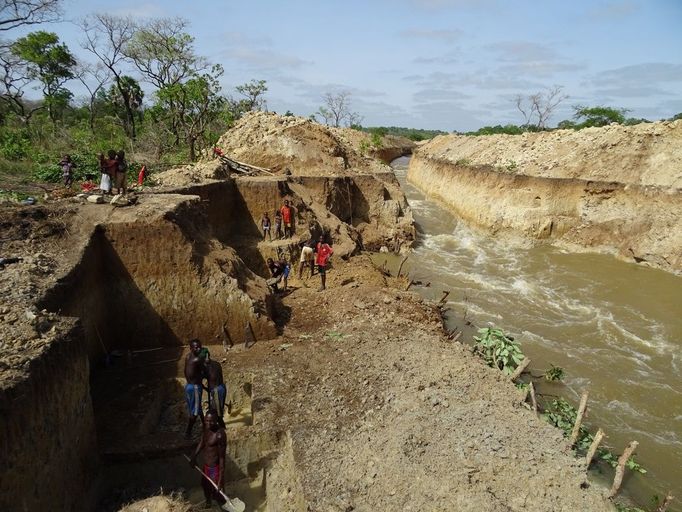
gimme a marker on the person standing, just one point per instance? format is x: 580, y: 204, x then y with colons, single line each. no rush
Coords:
x: 212, y: 446
x: 265, y: 225
x: 67, y: 170
x: 105, y: 180
x: 323, y: 253
x: 216, y: 386
x: 307, y: 257
x: 121, y: 172
x: 287, y: 215
x: 278, y: 225
x: 194, y: 374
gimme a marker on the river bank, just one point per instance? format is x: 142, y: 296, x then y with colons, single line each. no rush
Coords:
x: 616, y: 189
x: 613, y: 326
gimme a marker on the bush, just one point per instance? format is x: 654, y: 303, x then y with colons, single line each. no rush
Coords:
x: 498, y: 350
x: 14, y: 144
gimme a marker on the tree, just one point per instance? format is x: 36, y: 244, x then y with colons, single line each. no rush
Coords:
x: 14, y: 78
x: 538, y: 108
x: 253, y: 91
x: 336, y: 110
x: 106, y: 37
x: 195, y: 104
x: 121, y: 103
x: 17, y: 13
x: 164, y: 53
x: 50, y: 63
x: 599, y: 116
x: 93, y: 78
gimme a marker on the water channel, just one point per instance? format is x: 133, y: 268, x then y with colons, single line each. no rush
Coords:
x: 615, y: 327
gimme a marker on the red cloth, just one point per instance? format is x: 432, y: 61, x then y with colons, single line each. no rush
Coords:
x: 323, y: 254
x: 286, y: 214
x: 87, y: 186
x: 218, y: 151
x: 212, y: 472
x: 140, y: 177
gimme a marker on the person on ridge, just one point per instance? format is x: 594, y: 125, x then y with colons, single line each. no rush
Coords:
x: 323, y: 253
x: 307, y: 257
x: 194, y: 374
x: 212, y: 446
x: 278, y: 225
x: 265, y: 225
x: 287, y: 214
x: 121, y: 172
x: 67, y: 170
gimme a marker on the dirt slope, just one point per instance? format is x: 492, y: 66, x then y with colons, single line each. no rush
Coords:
x: 616, y: 189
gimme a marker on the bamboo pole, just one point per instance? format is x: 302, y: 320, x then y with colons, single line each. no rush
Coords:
x: 578, y: 419
x: 593, y: 447
x: 620, y: 469
x: 533, y: 400
x: 520, y: 368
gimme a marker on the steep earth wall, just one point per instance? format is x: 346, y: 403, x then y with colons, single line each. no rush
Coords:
x: 615, y: 189
x: 48, y: 449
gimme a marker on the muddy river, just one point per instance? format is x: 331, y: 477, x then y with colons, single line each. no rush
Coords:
x: 615, y: 327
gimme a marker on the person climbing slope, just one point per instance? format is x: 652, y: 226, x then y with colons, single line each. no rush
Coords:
x: 194, y: 373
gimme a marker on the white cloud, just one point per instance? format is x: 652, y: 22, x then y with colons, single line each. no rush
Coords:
x: 445, y: 35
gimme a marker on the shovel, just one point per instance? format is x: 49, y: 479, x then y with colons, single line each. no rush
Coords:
x: 235, y: 505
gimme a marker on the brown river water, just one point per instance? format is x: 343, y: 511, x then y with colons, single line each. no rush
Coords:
x: 615, y: 328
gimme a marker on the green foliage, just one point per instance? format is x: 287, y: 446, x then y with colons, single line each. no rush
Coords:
x: 625, y: 508
x: 676, y: 117
x: 598, y: 116
x: 463, y: 162
x: 567, y: 124
x: 377, y: 140
x: 562, y: 415
x: 554, y: 374
x: 414, y: 134
x: 364, y: 147
x: 511, y: 166
x: 498, y: 350
x: 335, y: 336
x: 14, y: 144
x: 508, y: 129
x: 631, y: 121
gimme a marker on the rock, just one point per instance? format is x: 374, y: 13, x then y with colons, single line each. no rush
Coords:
x: 95, y: 199
x: 119, y: 200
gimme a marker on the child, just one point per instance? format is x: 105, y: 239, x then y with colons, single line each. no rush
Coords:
x: 265, y: 224
x: 121, y: 172
x: 278, y: 225
x: 105, y: 181
x: 67, y: 170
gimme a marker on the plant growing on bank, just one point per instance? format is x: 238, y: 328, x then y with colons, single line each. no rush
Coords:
x: 498, y: 350
x: 562, y: 415
x: 554, y: 374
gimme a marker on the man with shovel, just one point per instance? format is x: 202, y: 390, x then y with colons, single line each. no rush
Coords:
x: 213, y: 444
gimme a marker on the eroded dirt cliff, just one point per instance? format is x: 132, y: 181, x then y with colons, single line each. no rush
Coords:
x: 616, y: 189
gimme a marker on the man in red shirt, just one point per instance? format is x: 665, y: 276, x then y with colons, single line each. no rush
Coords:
x: 287, y: 212
x: 323, y: 252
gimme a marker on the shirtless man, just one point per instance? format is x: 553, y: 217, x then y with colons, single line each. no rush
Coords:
x: 194, y: 373
x: 216, y: 387
x: 213, y: 444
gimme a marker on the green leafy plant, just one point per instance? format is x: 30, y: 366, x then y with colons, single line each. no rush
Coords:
x: 335, y: 336
x: 498, y: 350
x: 555, y: 373
x: 463, y: 162
x: 511, y: 166
x: 364, y: 147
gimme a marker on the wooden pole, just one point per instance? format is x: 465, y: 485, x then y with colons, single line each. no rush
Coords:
x: 664, y: 506
x: 533, y: 400
x: 593, y: 448
x: 520, y: 368
x: 409, y: 285
x: 578, y: 419
x: 620, y: 469
x: 443, y: 298
x: 400, y: 268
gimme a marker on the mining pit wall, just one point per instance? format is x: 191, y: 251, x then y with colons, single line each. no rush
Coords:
x: 636, y: 222
x: 48, y: 447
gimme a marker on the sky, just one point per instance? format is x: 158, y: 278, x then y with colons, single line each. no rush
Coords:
x: 433, y: 64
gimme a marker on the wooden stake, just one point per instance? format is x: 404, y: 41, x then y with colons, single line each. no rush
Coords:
x: 400, y: 268
x: 519, y: 369
x: 533, y: 400
x: 409, y: 285
x: 457, y: 336
x: 620, y: 469
x: 664, y: 506
x: 578, y: 419
x: 443, y: 298
x: 593, y: 448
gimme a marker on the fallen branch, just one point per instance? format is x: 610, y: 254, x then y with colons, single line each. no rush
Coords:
x: 400, y: 268
x: 520, y: 368
x: 593, y: 448
x: 620, y: 469
x: 578, y: 419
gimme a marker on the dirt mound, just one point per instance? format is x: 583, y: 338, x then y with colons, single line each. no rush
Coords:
x: 296, y: 145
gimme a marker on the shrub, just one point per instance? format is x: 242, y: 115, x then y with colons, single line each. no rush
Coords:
x: 498, y: 350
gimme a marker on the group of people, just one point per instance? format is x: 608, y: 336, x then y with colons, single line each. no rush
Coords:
x: 284, y: 223
x: 114, y: 172
x: 213, y: 444
x: 314, y: 254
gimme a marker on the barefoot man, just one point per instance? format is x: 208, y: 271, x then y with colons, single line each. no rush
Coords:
x: 213, y: 444
x: 216, y: 387
x: 194, y: 373
x: 323, y: 253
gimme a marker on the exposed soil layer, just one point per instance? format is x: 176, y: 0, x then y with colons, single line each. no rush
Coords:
x: 615, y: 189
